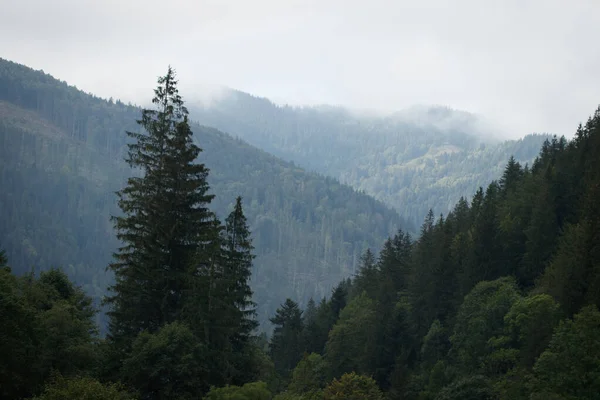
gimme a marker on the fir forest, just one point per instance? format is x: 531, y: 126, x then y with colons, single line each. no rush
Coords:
x: 251, y: 251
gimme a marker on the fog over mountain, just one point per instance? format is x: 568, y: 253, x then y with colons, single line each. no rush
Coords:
x: 299, y: 199
x: 417, y: 159
x: 528, y: 66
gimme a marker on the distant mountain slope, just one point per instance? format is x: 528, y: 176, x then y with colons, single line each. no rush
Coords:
x: 61, y: 159
x: 414, y: 160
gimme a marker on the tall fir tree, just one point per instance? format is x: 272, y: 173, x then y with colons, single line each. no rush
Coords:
x: 238, y: 269
x: 286, y: 345
x: 239, y: 310
x: 166, y: 219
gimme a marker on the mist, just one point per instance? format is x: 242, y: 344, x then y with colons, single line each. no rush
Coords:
x: 526, y: 66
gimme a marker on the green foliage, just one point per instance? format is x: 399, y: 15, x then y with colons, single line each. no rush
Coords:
x: 249, y: 391
x: 480, y: 318
x: 475, y: 387
x: 47, y: 325
x: 165, y: 220
x: 238, y: 268
x: 352, y: 387
x: 61, y: 157
x: 309, y: 376
x: 286, y: 344
x: 471, y: 309
x: 314, y: 395
x: 351, y: 343
x: 83, y: 389
x: 570, y: 367
x: 435, y: 344
x: 530, y: 324
x: 169, y: 364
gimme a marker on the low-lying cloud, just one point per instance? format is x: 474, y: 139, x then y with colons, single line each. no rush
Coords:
x: 529, y: 65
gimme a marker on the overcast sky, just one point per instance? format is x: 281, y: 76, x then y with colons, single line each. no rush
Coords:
x: 529, y: 65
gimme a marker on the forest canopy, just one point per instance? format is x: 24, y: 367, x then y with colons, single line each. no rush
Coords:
x: 497, y: 299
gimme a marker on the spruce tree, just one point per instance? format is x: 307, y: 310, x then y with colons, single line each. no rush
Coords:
x: 238, y: 269
x: 237, y: 311
x: 165, y: 219
x: 286, y: 346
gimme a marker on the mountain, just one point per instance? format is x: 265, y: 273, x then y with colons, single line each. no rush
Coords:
x: 414, y: 160
x: 61, y: 160
x: 496, y: 300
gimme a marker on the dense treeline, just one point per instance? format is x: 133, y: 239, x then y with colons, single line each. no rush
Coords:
x: 181, y: 313
x: 416, y: 160
x: 61, y: 160
x: 496, y: 300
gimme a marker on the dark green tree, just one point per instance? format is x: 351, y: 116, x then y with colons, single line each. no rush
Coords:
x: 570, y: 367
x: 311, y: 333
x: 238, y: 269
x: 339, y: 298
x: 237, y: 314
x: 166, y: 221
x: 47, y: 326
x: 309, y: 376
x: 352, y: 386
x: 286, y: 345
x: 167, y: 364
x: 366, y: 278
x: 249, y: 391
x: 351, y: 342
x: 513, y: 173
x: 82, y: 388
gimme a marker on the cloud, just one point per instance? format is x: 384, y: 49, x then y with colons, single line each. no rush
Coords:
x: 529, y: 65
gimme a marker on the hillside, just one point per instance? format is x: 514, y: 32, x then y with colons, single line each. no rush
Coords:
x: 61, y: 160
x: 414, y: 160
x: 496, y: 300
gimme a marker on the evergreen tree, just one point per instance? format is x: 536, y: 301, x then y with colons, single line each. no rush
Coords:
x: 366, y: 279
x: 351, y: 343
x: 286, y: 343
x: 311, y: 333
x: 338, y: 300
x: 238, y: 269
x: 513, y: 173
x: 166, y: 221
x: 570, y: 367
x: 235, y: 296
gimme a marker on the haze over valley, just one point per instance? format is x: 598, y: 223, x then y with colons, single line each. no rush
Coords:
x: 299, y: 200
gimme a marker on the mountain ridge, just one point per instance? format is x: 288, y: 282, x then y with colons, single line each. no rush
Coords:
x: 308, y: 230
x: 401, y: 159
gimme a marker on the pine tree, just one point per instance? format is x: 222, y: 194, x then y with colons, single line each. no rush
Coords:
x: 311, y: 333
x: 338, y: 300
x: 366, y: 278
x: 238, y: 269
x: 286, y: 347
x: 166, y: 220
x: 513, y: 173
x: 236, y: 310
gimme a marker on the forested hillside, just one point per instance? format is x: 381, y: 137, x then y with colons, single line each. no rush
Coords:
x: 61, y: 160
x: 498, y: 299
x: 416, y: 160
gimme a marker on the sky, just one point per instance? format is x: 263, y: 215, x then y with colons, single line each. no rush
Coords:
x: 527, y: 65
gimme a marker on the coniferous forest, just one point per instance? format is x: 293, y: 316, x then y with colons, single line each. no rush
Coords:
x: 497, y: 299
x: 62, y: 157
